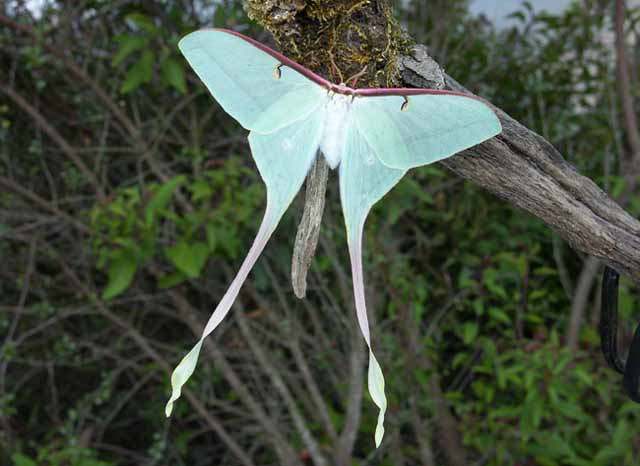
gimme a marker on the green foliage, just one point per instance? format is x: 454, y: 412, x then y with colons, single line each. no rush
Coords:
x: 519, y: 395
x: 70, y: 456
x: 526, y: 397
x: 22, y: 460
x: 469, y: 298
x: 141, y: 72
x: 122, y: 268
x: 134, y: 228
x: 543, y: 399
x: 173, y: 74
x: 127, y: 45
x: 161, y: 198
x: 188, y: 258
x: 139, y: 50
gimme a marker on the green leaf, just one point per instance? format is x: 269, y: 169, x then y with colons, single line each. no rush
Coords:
x: 538, y: 294
x: 128, y: 45
x: 161, y: 198
x: 618, y: 185
x: 188, y: 258
x: 581, y: 374
x: 142, y: 21
x: 121, y: 272
x: 571, y: 410
x: 422, y: 378
x: 499, y: 315
x: 140, y: 73
x: 173, y: 74
x: 562, y: 362
x: 622, y: 435
x: 211, y: 236
x: 20, y: 460
x: 545, y: 272
x: 557, y: 448
x: 459, y: 359
x: 469, y: 332
x: 606, y: 456
x: 220, y: 16
x: 171, y: 280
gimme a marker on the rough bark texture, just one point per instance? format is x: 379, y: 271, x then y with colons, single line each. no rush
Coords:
x: 524, y: 169
x: 309, y: 229
x: 518, y: 166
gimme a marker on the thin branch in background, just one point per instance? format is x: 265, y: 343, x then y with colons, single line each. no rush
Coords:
x: 133, y: 140
x: 8, y: 340
x: 278, y: 382
x: 294, y: 346
x: 561, y: 265
x: 69, y: 151
x: 630, y: 120
x: 285, y: 452
x: 79, y: 73
x: 14, y: 187
x: 588, y: 276
x: 146, y: 347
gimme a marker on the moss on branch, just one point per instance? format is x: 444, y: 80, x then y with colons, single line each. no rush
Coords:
x: 337, y: 38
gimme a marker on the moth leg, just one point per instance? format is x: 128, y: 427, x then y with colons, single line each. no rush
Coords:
x: 405, y: 104
x: 357, y: 76
x: 277, y: 71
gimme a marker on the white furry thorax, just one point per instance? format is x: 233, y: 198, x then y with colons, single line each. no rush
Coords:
x: 337, y: 110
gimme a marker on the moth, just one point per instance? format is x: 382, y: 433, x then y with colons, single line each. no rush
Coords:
x: 371, y: 136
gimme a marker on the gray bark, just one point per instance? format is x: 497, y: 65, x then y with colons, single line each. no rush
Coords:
x: 525, y: 170
x: 309, y: 229
x: 522, y: 168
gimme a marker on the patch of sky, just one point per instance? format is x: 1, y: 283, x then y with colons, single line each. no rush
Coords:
x: 498, y: 11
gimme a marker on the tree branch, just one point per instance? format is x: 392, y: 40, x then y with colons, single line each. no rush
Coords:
x: 524, y: 169
x: 588, y: 276
x: 78, y: 73
x: 69, y: 151
x: 214, y: 423
x: 12, y: 186
x: 309, y: 229
x: 518, y: 166
x: 631, y: 164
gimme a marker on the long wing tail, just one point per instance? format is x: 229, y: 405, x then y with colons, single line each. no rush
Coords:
x: 363, y: 181
x: 187, y: 365
x: 375, y: 379
x: 283, y: 159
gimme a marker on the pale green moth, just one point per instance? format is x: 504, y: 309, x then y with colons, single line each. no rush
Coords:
x: 373, y: 136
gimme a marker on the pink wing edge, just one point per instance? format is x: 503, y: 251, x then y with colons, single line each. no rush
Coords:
x: 339, y: 89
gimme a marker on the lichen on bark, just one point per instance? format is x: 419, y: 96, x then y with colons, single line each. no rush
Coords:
x: 337, y: 38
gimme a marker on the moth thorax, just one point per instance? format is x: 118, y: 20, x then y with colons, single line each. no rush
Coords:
x: 334, y: 134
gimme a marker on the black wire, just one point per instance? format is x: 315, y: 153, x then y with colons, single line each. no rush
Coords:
x: 609, y: 336
x: 632, y: 370
x: 609, y: 319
